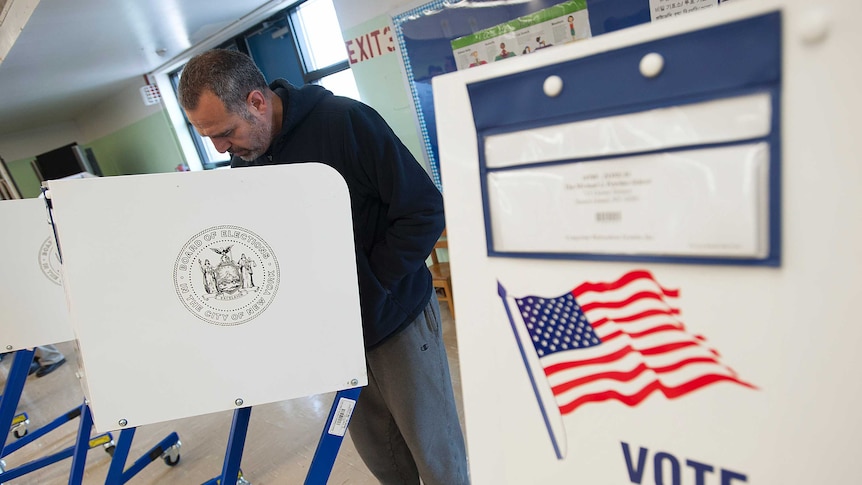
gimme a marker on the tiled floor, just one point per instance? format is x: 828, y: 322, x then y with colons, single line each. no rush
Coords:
x: 281, y: 438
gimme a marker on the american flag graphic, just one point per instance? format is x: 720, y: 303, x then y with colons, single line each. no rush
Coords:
x: 621, y: 340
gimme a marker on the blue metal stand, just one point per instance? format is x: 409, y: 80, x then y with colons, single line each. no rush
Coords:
x: 14, y: 388
x: 332, y: 436
x: 235, y: 445
x: 9, y: 402
x: 35, y: 435
x: 324, y: 455
x: 167, y: 449
x: 80, y: 457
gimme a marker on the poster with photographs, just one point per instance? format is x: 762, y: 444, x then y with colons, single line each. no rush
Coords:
x: 665, y: 9
x: 561, y: 24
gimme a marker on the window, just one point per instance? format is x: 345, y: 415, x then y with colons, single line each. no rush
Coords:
x: 301, y: 44
x: 322, y: 48
x: 313, y: 21
x: 341, y: 83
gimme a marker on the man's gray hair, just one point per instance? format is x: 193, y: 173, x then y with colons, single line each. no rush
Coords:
x: 230, y: 75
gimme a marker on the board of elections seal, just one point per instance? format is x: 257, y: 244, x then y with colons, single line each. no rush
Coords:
x: 49, y: 261
x: 226, y: 275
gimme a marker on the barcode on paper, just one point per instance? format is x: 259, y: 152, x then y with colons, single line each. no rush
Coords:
x: 342, y: 416
x: 609, y: 216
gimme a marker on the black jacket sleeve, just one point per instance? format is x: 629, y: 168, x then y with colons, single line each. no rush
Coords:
x: 412, y: 204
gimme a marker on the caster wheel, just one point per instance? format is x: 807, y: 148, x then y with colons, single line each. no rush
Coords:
x: 172, y: 454
x: 110, y: 449
x: 171, y: 461
x: 20, y: 433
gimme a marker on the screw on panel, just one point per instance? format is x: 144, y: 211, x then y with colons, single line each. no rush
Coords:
x: 122, y: 422
x: 238, y: 401
x: 354, y: 382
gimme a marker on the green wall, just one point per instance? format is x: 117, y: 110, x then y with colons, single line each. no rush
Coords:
x: 381, y: 85
x: 146, y: 146
x: 25, y: 178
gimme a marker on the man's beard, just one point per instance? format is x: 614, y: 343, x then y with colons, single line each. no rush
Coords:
x: 260, y: 135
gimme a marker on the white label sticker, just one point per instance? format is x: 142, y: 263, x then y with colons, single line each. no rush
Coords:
x: 342, y: 417
x: 664, y: 9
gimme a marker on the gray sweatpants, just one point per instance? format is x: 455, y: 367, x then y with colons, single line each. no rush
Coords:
x: 406, y: 423
x: 48, y: 354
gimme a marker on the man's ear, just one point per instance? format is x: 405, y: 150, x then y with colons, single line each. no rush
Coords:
x: 257, y: 101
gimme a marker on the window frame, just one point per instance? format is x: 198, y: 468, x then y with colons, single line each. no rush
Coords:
x: 239, y: 42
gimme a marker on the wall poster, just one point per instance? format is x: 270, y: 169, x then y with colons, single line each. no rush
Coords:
x: 425, y: 34
x: 557, y: 25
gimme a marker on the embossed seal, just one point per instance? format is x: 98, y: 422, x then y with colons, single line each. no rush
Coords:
x: 226, y: 275
x: 49, y: 261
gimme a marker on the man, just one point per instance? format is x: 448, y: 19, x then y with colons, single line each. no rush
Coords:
x: 46, y: 360
x: 405, y: 425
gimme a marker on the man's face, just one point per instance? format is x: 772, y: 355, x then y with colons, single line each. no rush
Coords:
x: 245, y: 136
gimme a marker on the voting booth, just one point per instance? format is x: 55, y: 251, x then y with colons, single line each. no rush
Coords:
x: 34, y: 307
x: 654, y: 237
x: 31, y: 300
x: 193, y: 293
x: 34, y: 314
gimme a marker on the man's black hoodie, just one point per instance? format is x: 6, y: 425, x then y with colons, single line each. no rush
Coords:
x: 397, y: 209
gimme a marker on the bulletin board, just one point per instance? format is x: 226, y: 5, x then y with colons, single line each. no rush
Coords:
x: 425, y: 33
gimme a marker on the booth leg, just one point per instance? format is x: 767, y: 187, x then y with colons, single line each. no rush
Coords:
x: 230, y: 473
x: 31, y: 466
x: 38, y: 433
x: 9, y: 401
x: 12, y: 391
x: 121, y: 454
x: 167, y: 449
x: 332, y: 436
x: 82, y: 445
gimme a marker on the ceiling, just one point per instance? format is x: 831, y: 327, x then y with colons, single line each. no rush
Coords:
x: 72, y: 55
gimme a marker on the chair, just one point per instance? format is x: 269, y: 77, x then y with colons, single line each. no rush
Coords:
x: 440, y: 275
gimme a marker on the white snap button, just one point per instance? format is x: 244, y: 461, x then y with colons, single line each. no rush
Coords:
x: 814, y: 25
x: 652, y: 64
x: 553, y: 86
